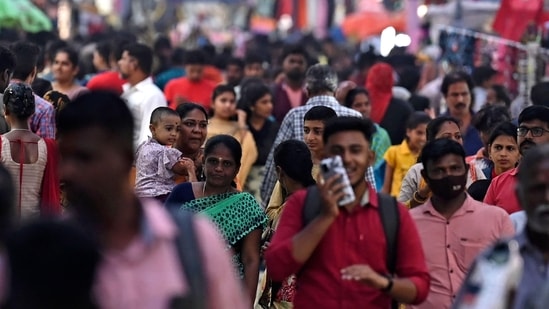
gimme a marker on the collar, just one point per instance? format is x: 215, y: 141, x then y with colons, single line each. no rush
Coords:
x: 468, y: 206
x: 322, y: 99
x: 369, y: 197
x: 404, y: 148
x: 513, y: 172
x: 139, y: 86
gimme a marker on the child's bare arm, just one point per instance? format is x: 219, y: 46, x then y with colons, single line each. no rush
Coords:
x: 185, y: 167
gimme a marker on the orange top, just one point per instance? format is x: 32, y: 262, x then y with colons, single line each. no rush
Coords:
x: 181, y: 90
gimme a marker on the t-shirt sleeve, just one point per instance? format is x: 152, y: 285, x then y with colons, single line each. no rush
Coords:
x: 168, y: 158
x: 390, y: 156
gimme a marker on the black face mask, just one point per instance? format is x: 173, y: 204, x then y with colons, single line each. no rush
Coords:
x: 295, y: 74
x: 448, y: 187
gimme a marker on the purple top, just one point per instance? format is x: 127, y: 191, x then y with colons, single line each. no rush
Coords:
x: 154, y: 163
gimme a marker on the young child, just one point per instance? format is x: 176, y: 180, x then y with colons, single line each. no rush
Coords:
x: 400, y: 158
x: 313, y: 127
x: 156, y: 161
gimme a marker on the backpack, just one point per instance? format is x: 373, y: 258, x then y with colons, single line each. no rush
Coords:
x: 389, y: 215
x: 189, y: 254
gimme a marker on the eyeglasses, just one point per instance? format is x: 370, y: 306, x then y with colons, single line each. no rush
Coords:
x: 536, y: 131
x: 191, y: 124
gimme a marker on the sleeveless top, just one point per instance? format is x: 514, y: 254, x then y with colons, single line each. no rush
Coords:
x: 31, y: 179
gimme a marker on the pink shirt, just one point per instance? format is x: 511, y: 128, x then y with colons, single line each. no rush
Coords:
x: 147, y: 274
x: 501, y: 192
x: 451, y: 246
x: 295, y: 96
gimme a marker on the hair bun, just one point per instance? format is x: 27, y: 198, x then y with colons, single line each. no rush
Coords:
x: 19, y: 100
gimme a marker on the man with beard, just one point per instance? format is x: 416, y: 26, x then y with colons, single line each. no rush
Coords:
x: 291, y: 93
x: 456, y: 89
x: 533, y: 130
x: 140, y: 93
x: 453, y: 227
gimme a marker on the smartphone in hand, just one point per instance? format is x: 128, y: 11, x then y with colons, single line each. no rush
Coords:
x: 334, y: 166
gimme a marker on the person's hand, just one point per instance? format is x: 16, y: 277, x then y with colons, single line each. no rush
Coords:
x: 366, y: 275
x: 188, y: 164
x: 331, y: 191
x: 241, y: 116
x: 343, y: 90
x: 424, y: 190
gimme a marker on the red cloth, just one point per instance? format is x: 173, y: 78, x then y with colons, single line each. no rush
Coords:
x: 212, y: 74
x: 110, y: 81
x: 353, y: 238
x: 379, y: 84
x: 501, y: 192
x: 514, y: 16
x: 196, y: 92
x: 50, y: 197
x: 50, y: 202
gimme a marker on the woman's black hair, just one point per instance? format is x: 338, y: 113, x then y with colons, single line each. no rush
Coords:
x: 71, y: 54
x: 57, y: 99
x: 434, y: 126
x: 503, y: 129
x: 228, y: 141
x: 251, y: 93
x: 19, y: 100
x: 41, y: 86
x: 489, y: 117
x: 219, y: 90
x: 351, y: 95
x: 185, y: 108
x: 294, y: 158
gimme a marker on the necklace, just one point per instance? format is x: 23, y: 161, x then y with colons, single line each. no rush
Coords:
x: 204, y: 190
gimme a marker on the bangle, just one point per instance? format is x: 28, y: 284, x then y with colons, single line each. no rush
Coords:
x: 418, y: 198
x: 389, y: 285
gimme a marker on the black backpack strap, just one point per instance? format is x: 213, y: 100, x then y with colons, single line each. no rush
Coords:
x: 312, y: 206
x: 190, y: 258
x: 390, y: 219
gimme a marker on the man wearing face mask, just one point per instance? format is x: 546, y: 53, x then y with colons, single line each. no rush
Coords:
x: 452, y: 226
x: 291, y: 92
x: 533, y: 130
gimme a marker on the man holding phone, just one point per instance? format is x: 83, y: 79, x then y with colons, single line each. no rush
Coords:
x: 340, y: 256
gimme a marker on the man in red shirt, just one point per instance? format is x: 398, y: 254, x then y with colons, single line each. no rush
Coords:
x: 533, y: 130
x: 111, y: 80
x: 193, y: 87
x: 340, y: 256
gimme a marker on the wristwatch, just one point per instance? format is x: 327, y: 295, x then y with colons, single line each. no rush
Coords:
x: 389, y: 285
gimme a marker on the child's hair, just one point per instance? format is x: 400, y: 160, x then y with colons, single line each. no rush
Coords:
x: 251, y: 93
x: 416, y: 119
x: 160, y: 112
x: 503, y: 129
x: 57, y: 99
x: 294, y: 158
x: 320, y: 113
x: 219, y: 90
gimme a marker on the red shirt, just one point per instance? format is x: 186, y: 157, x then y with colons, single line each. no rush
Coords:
x: 501, y: 192
x: 197, y: 92
x: 110, y: 80
x: 353, y: 238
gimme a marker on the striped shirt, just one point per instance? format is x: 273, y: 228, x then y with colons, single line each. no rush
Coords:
x: 292, y: 128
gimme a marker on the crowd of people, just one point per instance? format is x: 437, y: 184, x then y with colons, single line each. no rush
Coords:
x: 174, y: 178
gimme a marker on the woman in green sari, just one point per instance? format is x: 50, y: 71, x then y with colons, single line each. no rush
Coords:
x: 237, y: 215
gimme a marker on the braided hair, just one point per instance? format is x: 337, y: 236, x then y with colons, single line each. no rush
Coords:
x: 19, y: 100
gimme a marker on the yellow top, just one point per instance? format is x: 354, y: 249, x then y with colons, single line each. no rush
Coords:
x: 400, y: 158
x: 278, y: 198
x: 246, y: 139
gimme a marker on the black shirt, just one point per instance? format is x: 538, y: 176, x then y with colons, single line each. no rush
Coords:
x: 395, y: 119
x: 264, y: 139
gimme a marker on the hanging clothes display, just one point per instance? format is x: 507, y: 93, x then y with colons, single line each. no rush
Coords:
x: 514, y: 16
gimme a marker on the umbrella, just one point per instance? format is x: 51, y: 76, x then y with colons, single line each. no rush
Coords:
x: 24, y: 15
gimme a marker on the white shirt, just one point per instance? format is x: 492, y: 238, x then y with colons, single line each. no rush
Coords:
x: 142, y: 100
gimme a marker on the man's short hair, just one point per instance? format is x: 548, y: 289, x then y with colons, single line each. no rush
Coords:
x: 436, y: 149
x: 26, y: 57
x: 489, y: 117
x: 482, y: 74
x: 104, y: 110
x: 320, y: 78
x: 530, y: 162
x: 539, y: 94
x: 195, y: 57
x: 534, y: 112
x: 453, y: 78
x: 143, y: 54
x: 238, y: 62
x: 253, y: 58
x: 345, y: 124
x: 294, y: 50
